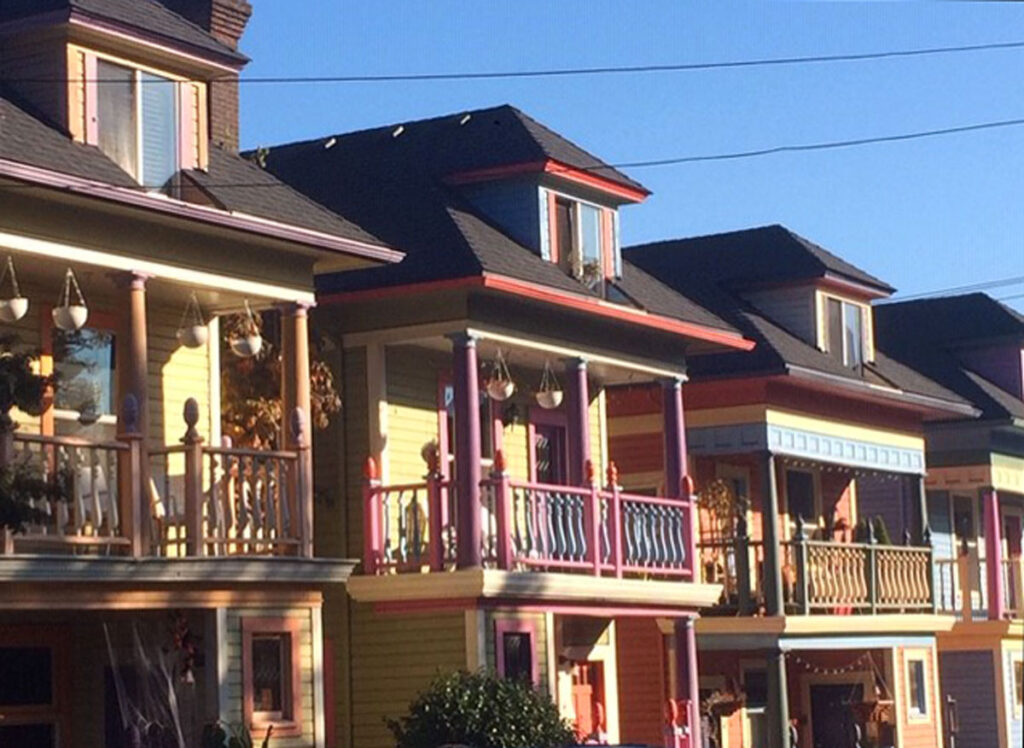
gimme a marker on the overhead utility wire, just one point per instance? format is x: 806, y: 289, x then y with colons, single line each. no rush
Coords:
x: 982, y: 286
x: 611, y: 69
x: 696, y: 159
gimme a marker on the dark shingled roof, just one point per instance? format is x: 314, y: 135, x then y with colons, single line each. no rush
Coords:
x: 926, y: 334
x: 777, y: 350
x: 147, y: 16
x: 766, y: 254
x: 27, y: 140
x: 395, y: 188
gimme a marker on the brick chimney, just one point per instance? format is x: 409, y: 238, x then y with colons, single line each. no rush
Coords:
x: 226, y: 21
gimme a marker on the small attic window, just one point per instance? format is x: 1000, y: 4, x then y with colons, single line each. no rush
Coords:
x: 846, y: 331
x: 581, y: 238
x: 138, y: 121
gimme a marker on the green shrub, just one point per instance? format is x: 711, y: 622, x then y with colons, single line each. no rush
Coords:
x: 481, y: 710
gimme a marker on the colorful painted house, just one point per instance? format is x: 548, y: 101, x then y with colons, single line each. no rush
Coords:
x: 173, y: 582
x: 809, y: 459
x: 473, y: 460
x: 974, y: 346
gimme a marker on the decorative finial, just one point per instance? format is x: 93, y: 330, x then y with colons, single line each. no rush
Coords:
x: 191, y: 414
x: 612, y: 473
x: 370, y: 469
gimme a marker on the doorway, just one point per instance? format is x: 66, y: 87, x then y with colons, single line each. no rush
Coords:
x: 832, y: 721
x: 33, y: 683
x: 588, y: 699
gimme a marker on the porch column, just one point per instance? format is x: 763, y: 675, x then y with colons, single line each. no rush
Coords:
x: 993, y: 554
x: 296, y: 415
x: 778, y: 700
x: 923, y: 528
x: 674, y: 426
x: 466, y: 389
x: 135, y: 354
x: 687, y: 683
x: 770, y: 532
x: 578, y: 413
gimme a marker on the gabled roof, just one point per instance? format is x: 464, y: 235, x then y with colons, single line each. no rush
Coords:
x: 148, y: 17
x: 395, y: 188
x: 755, y: 256
x: 27, y: 140
x: 777, y: 350
x: 925, y: 334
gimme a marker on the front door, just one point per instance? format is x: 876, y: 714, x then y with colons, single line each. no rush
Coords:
x: 33, y: 704
x: 832, y: 721
x: 588, y: 699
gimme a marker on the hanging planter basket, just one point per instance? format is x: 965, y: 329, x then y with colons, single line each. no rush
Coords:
x: 500, y: 386
x: 71, y: 313
x: 15, y: 306
x: 550, y: 394
x: 192, y: 331
x: 248, y: 342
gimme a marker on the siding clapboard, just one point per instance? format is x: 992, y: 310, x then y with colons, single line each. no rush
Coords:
x: 969, y: 678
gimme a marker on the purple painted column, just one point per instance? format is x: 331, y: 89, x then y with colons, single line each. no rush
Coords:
x: 467, y: 449
x: 993, y: 554
x: 674, y: 427
x: 687, y: 684
x: 578, y: 414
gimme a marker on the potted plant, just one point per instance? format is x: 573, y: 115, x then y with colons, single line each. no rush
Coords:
x: 71, y: 313
x: 500, y: 386
x: 193, y: 331
x: 247, y: 341
x: 550, y: 394
x: 15, y: 306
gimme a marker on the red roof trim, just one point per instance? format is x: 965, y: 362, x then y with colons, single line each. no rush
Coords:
x: 549, y: 295
x: 556, y: 168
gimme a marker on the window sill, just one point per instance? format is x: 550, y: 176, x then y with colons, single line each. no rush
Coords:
x: 283, y: 728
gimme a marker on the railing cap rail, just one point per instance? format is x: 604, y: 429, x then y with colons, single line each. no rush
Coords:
x: 70, y: 441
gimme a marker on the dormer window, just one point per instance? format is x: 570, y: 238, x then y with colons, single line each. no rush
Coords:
x: 581, y: 239
x: 137, y: 122
x: 845, y: 331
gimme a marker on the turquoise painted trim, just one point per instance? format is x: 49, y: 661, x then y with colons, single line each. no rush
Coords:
x: 790, y: 442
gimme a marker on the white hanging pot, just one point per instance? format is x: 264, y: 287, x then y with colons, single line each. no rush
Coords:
x: 500, y: 389
x: 192, y: 331
x: 248, y: 343
x: 13, y: 309
x: 70, y: 314
x: 247, y: 346
x: 549, y: 399
x: 15, y: 306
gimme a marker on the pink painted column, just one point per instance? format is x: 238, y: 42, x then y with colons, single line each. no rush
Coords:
x: 993, y: 554
x: 674, y: 428
x: 687, y: 684
x: 578, y: 413
x: 466, y: 388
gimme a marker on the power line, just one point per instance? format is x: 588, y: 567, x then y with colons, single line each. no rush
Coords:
x: 827, y: 145
x: 982, y: 286
x: 603, y: 70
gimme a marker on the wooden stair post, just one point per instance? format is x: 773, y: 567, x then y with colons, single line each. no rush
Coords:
x: 194, y: 540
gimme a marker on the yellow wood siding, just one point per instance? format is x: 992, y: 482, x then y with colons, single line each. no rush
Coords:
x: 412, y: 379
x: 393, y: 658
x: 234, y: 673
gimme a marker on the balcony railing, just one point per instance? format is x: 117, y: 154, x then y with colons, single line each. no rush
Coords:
x: 529, y: 526
x: 824, y: 577
x: 185, y: 500
x: 961, y: 586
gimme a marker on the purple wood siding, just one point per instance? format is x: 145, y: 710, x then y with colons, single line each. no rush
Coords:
x: 886, y: 498
x: 1000, y: 364
x: 969, y: 678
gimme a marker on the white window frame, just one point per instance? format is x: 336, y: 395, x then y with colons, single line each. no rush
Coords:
x: 574, y: 263
x: 910, y: 657
x: 866, y: 326
x: 1016, y: 659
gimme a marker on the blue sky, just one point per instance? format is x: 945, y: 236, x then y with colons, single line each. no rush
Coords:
x: 924, y: 215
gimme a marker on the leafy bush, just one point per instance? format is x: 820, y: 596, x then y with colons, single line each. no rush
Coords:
x: 481, y: 710
x: 223, y: 735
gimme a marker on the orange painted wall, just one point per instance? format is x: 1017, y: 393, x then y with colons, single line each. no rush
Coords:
x: 918, y: 734
x: 642, y: 688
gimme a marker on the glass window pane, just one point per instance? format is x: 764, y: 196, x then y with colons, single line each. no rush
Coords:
x: 159, y: 130
x: 28, y: 736
x: 518, y: 655
x: 835, y: 329
x: 25, y: 676
x: 565, y: 230
x: 590, y: 221
x: 755, y: 685
x: 800, y: 495
x: 269, y: 671
x: 918, y: 696
x: 854, y: 329
x: 83, y: 361
x: 1018, y: 684
x: 115, y: 114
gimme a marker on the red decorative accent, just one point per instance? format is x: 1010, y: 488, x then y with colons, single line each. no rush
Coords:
x: 557, y: 168
x: 688, y: 489
x: 499, y: 461
x: 370, y: 469
x: 607, y: 244
x: 504, y: 626
x: 588, y: 471
x: 613, y: 474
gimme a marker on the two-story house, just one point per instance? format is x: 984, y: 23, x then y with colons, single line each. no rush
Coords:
x: 974, y: 346
x: 809, y: 459
x: 170, y: 583
x: 473, y: 459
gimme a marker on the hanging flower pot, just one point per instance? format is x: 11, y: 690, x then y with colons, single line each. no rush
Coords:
x: 192, y: 331
x: 247, y: 342
x: 550, y: 394
x: 15, y: 306
x: 500, y: 385
x: 71, y: 313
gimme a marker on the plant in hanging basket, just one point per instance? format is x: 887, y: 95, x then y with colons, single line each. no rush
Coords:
x: 70, y: 313
x: 247, y: 341
x: 550, y: 394
x: 500, y: 385
x: 192, y: 331
x: 15, y: 306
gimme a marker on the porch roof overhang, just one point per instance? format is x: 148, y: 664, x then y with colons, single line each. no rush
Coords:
x: 820, y: 632
x: 568, y: 593
x: 308, y: 241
